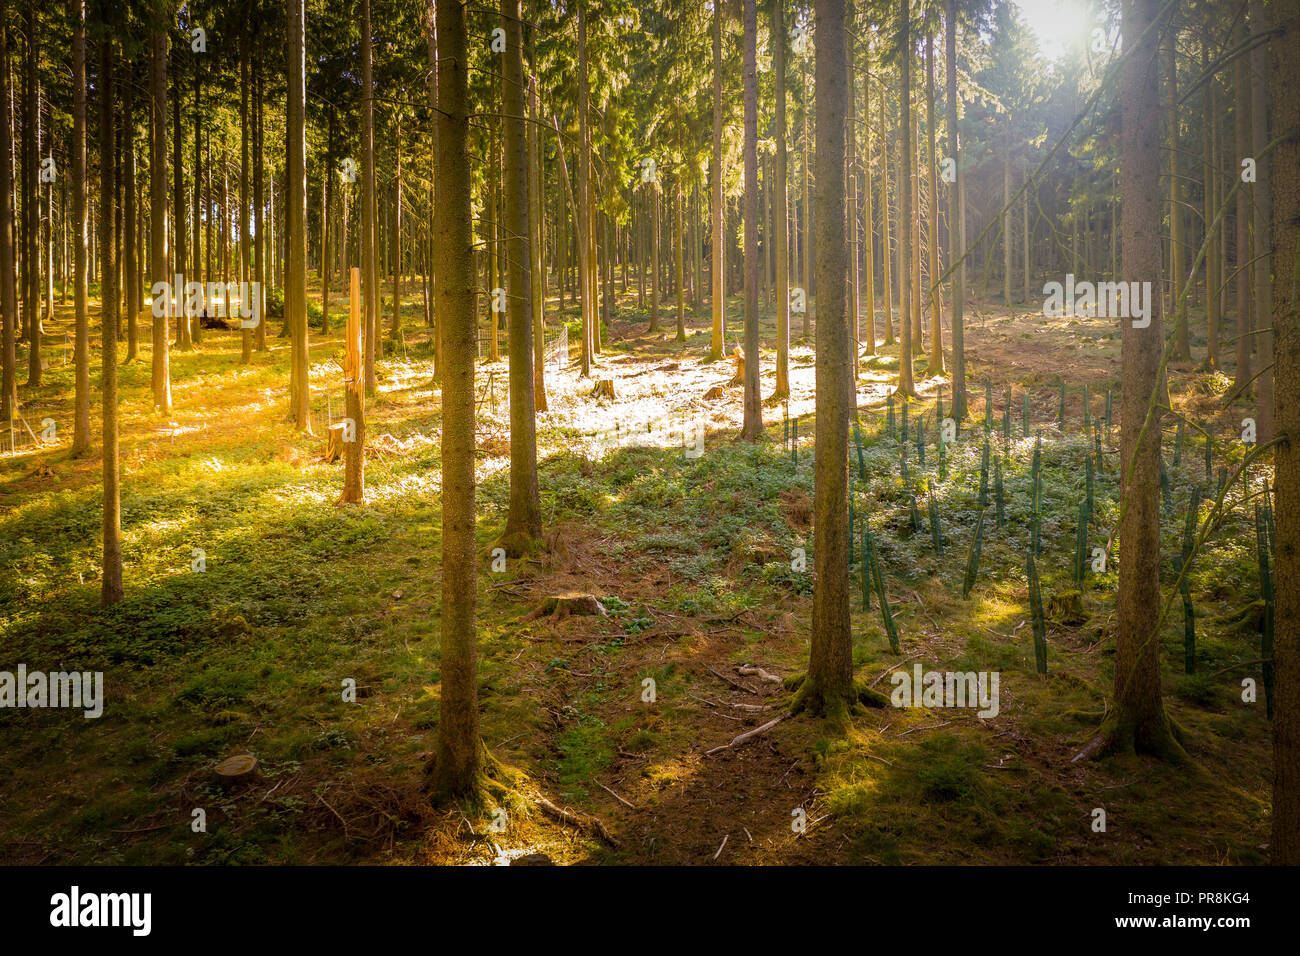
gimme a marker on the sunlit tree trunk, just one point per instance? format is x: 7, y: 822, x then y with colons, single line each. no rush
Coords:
x: 582, y: 207
x: 1138, y: 720
x: 245, y: 270
x: 886, y: 252
x: 369, y: 214
x: 906, y: 234
x: 828, y: 687
x: 8, y: 253
x: 459, y: 752
x: 752, y: 428
x: 295, y: 285
x: 159, y: 258
x: 111, y: 584
x: 936, y: 290
x: 717, y: 242
x: 781, y: 211
x: 869, y: 252
x: 81, y: 345
x: 524, y: 519
x: 956, y: 216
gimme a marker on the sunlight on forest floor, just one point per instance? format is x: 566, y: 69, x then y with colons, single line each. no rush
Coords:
x: 691, y: 558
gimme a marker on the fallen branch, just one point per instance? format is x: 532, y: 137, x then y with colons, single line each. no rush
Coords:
x: 734, y: 683
x: 748, y: 735
x: 580, y: 822
x: 747, y: 670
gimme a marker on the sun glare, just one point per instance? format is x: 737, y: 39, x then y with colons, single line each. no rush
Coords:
x: 1058, y: 24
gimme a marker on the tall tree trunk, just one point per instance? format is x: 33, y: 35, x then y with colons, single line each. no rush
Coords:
x: 906, y: 236
x: 869, y: 218
x: 936, y: 290
x: 679, y: 254
x: 197, y: 205
x: 260, y: 225
x: 31, y: 189
x: 1241, y: 111
x: 395, y: 323
x: 130, y: 215
x: 537, y: 222
x: 81, y: 345
x: 524, y: 519
x: 781, y: 212
x: 459, y: 754
x: 582, y: 207
x: 885, y: 251
x: 1183, y: 347
x: 1138, y: 720
x: 717, y: 242
x: 752, y: 428
x: 180, y: 264
x: 1006, y: 232
x: 1285, y: 843
x: 326, y: 267
x: 369, y: 214
x: 159, y: 259
x: 652, y: 191
x: 245, y: 253
x: 956, y: 239
x: 111, y: 585
x: 828, y: 688
x: 1262, y: 216
x: 1213, y: 264
x: 295, y: 284
x: 8, y: 266
x: 851, y: 211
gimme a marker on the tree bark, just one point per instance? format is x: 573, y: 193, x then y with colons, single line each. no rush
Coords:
x: 459, y: 753
x: 752, y: 429
x: 81, y: 345
x: 8, y: 265
x: 781, y: 211
x: 956, y: 241
x: 111, y: 584
x: 159, y: 259
x: 828, y: 687
x: 1138, y: 719
x: 524, y: 518
x: 906, y: 237
x: 295, y: 285
x: 369, y: 215
x: 717, y: 242
x: 1285, y: 81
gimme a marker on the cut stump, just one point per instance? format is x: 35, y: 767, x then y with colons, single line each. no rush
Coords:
x: 560, y: 606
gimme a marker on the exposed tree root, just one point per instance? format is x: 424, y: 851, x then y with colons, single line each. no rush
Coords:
x: 518, y: 544
x: 817, y: 704
x: 499, y: 785
x: 591, y: 826
x: 1162, y: 739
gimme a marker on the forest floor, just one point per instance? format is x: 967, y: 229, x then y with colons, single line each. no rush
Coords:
x: 691, y: 557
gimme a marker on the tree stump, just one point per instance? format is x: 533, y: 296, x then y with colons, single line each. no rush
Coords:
x: 738, y: 356
x: 560, y: 606
x: 604, y: 389
x: 237, y: 770
x: 334, y: 449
